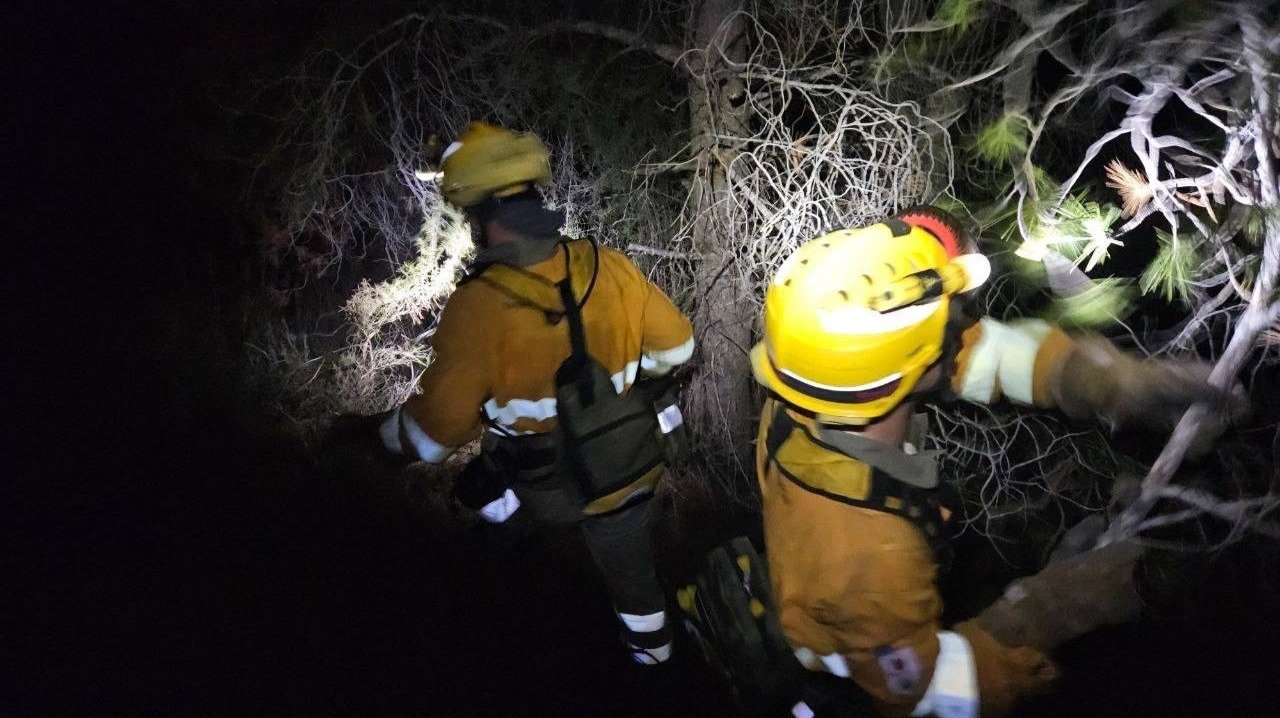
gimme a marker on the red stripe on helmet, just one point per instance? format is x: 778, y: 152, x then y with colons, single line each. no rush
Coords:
x: 938, y: 223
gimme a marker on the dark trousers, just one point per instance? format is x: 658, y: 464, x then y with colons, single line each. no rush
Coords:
x: 621, y: 543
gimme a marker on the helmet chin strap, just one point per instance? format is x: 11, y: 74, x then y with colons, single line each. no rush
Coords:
x: 940, y: 389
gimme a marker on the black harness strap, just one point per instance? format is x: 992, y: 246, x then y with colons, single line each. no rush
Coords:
x: 919, y: 506
x: 506, y: 278
x: 553, y: 314
x: 577, y: 334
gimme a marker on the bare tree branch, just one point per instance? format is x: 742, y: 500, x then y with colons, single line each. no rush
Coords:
x: 633, y: 40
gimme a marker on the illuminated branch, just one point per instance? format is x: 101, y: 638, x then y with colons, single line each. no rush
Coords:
x: 344, y: 178
x: 627, y: 38
x: 1261, y: 311
x: 1219, y: 69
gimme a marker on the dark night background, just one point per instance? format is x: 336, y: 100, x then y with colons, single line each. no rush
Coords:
x: 166, y: 555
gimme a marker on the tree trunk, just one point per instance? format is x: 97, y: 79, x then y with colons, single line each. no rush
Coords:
x: 720, y: 396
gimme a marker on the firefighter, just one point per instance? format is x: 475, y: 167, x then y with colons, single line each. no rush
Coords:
x: 498, y: 345
x: 858, y: 329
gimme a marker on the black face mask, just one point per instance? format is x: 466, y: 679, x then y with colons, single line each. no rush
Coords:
x: 521, y: 213
x: 478, y: 235
x: 478, y: 216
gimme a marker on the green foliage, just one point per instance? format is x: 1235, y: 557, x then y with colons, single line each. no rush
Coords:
x: 1084, y: 229
x: 1174, y: 265
x: 958, y: 16
x: 1002, y: 142
x: 1254, y: 227
x: 1002, y: 219
x: 1107, y: 302
x: 1076, y: 228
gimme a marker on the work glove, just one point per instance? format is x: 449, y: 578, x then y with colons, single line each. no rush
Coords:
x: 355, y: 436
x: 1098, y: 381
x: 1067, y: 599
x: 482, y: 488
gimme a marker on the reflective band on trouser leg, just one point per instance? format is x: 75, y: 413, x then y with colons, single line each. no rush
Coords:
x: 651, y: 656
x: 953, y: 692
x: 647, y: 636
x: 802, y: 710
x: 644, y: 624
x: 649, y: 649
x: 620, y: 543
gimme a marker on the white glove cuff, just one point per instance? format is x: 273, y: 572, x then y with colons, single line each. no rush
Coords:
x: 500, y: 509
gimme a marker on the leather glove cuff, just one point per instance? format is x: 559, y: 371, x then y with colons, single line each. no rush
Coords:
x: 1098, y: 381
x: 1067, y: 599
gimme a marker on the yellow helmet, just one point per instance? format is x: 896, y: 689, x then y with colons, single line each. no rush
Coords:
x: 490, y: 161
x: 855, y: 317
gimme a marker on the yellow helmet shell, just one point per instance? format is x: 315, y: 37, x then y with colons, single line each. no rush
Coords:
x: 488, y: 160
x: 825, y: 350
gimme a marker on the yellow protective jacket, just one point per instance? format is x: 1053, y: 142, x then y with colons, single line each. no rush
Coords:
x: 855, y: 586
x: 496, y: 355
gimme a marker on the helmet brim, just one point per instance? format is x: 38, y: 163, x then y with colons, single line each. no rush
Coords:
x: 862, y: 413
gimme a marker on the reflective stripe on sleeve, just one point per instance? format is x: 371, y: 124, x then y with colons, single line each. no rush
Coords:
x: 953, y: 692
x: 835, y: 664
x: 426, y: 447
x: 1004, y: 358
x: 516, y: 409
x: 542, y: 409
x: 389, y: 430
x: 808, y: 658
x: 663, y: 360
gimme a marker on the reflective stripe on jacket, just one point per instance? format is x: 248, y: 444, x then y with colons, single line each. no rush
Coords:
x: 497, y: 354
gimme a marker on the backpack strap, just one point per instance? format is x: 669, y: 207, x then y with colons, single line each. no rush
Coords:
x: 577, y: 335
x: 536, y: 291
x: 887, y: 492
x: 527, y: 288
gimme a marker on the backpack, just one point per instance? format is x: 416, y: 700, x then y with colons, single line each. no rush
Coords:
x: 730, y: 612
x: 610, y: 444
